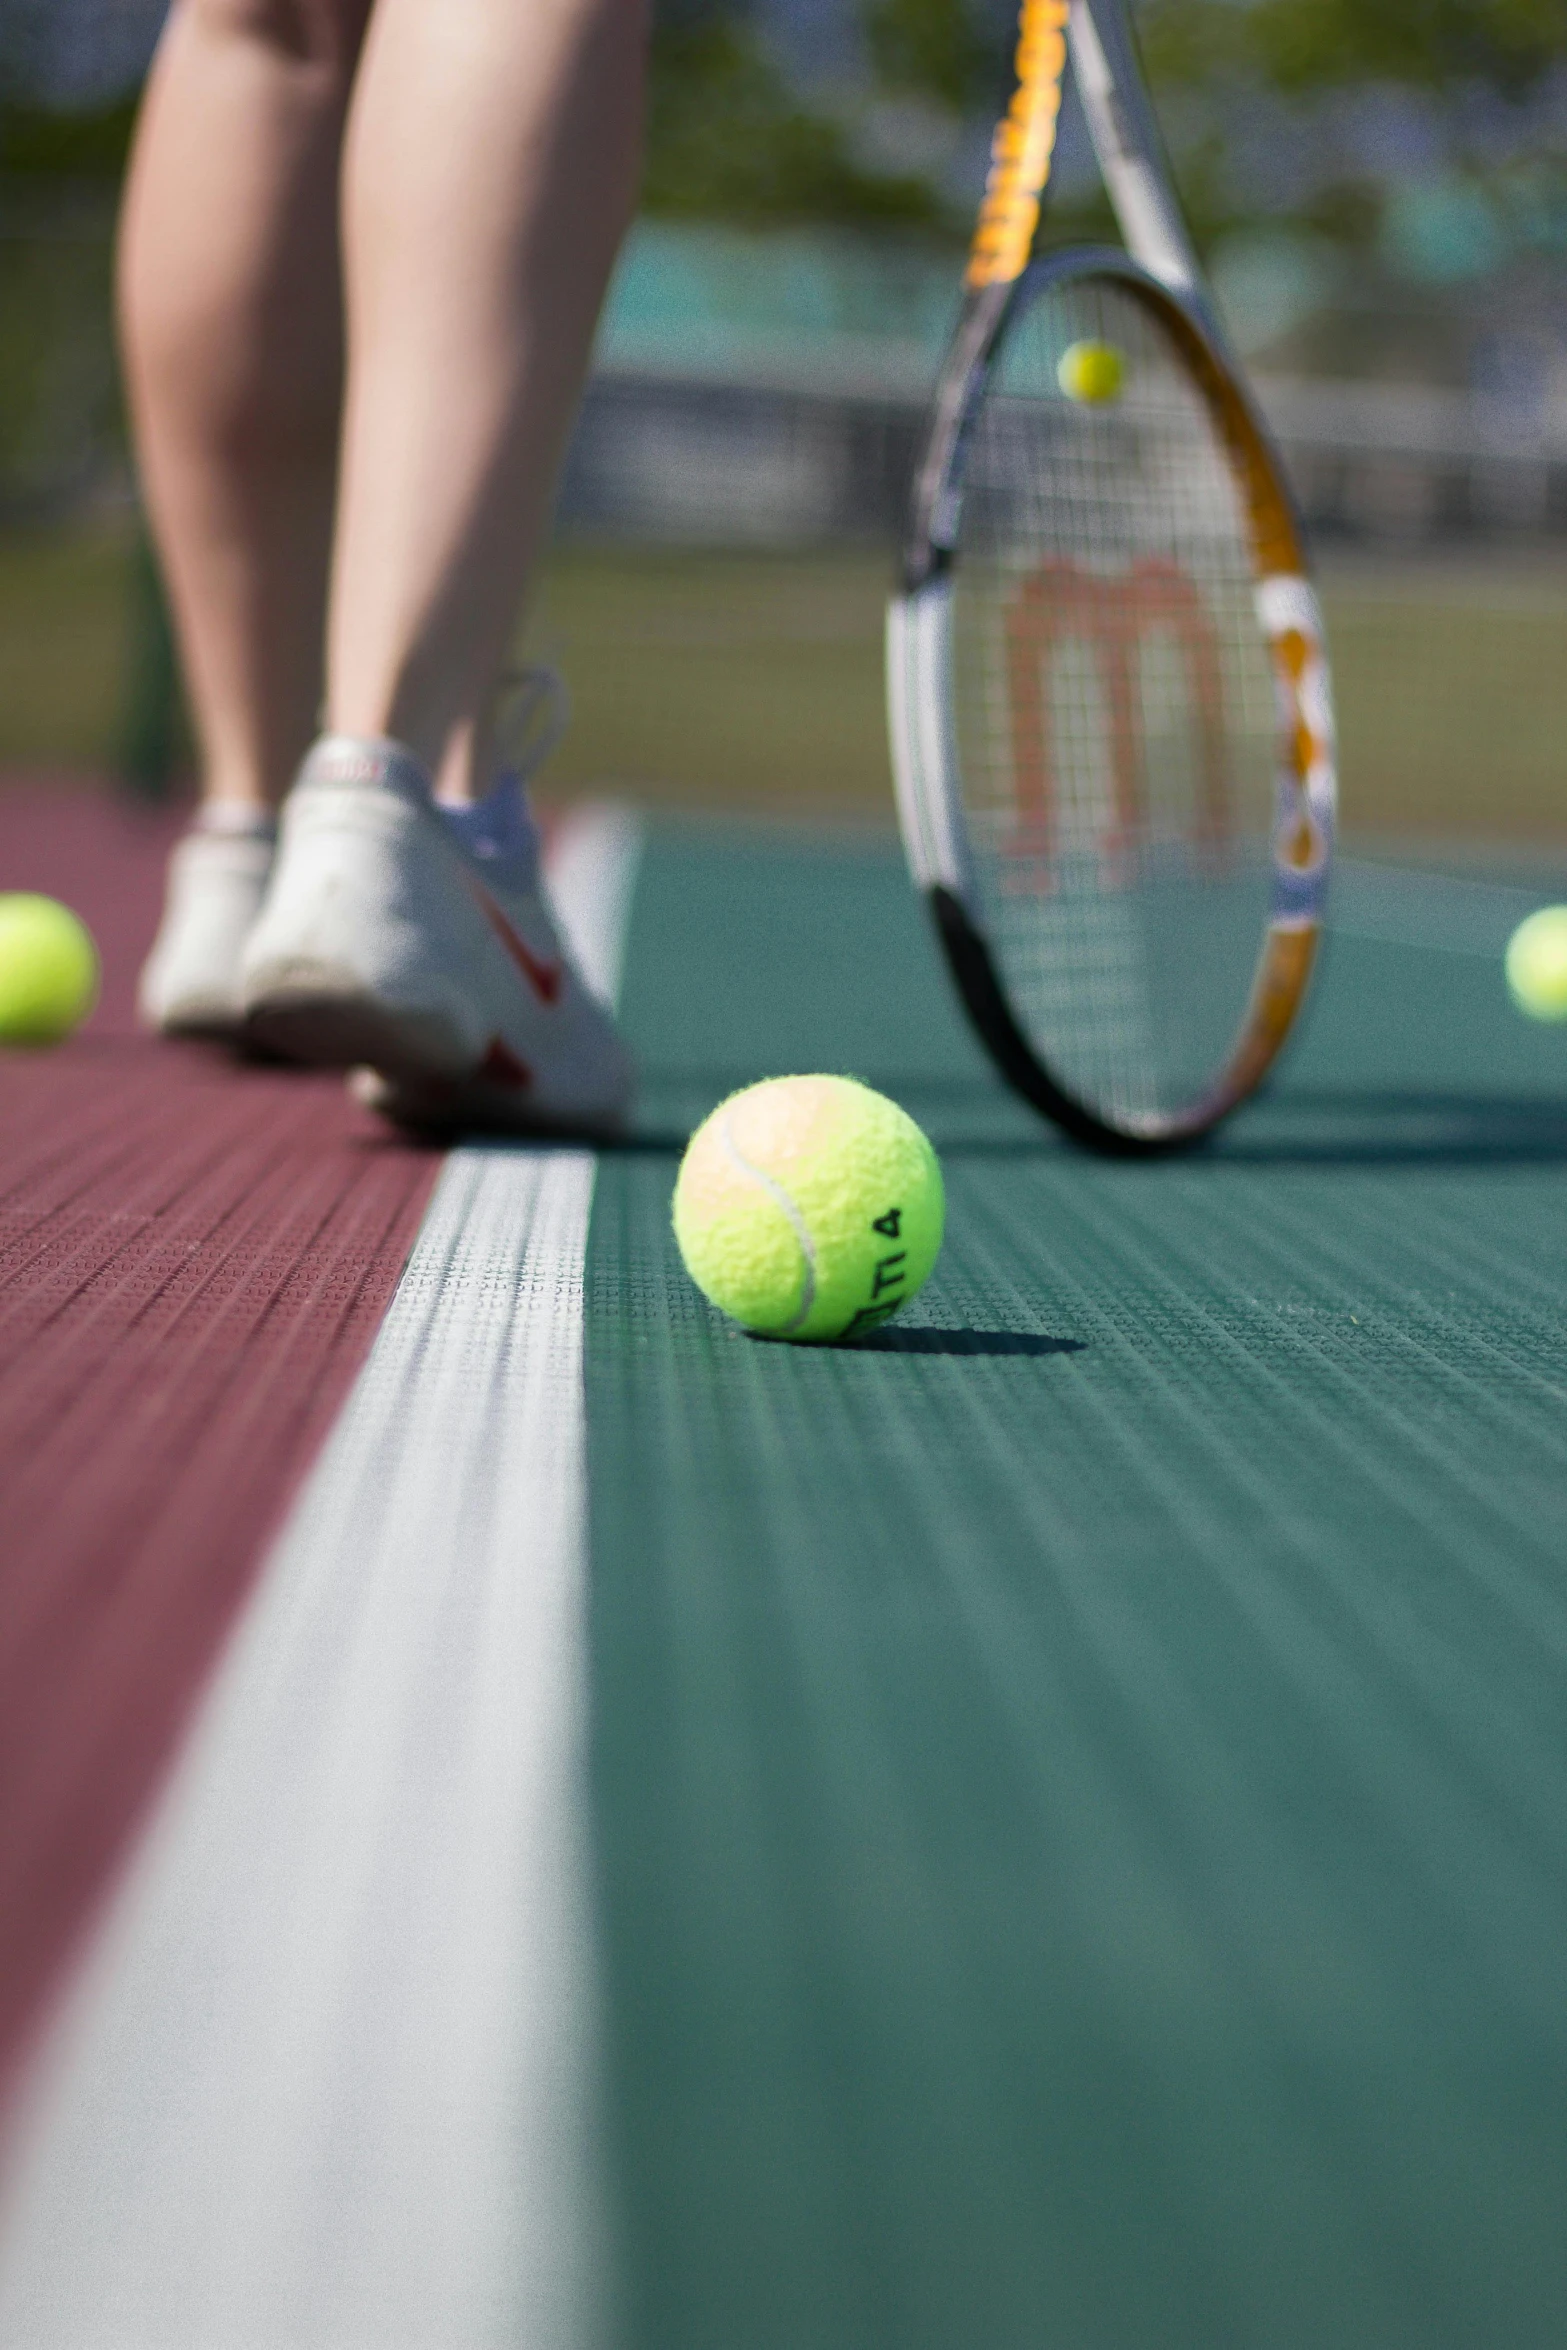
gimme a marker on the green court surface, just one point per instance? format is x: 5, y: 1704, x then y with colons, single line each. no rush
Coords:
x: 1080, y: 1781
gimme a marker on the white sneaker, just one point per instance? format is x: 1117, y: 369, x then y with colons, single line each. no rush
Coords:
x: 217, y: 880
x: 415, y: 939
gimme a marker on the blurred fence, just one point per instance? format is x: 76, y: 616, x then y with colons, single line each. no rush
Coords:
x: 796, y: 458
x: 731, y: 429
x: 737, y: 464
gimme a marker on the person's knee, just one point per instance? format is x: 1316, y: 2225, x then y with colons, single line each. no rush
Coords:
x: 325, y: 33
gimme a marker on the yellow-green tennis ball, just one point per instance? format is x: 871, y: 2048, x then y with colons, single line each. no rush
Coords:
x: 1091, y: 371
x: 48, y: 969
x: 809, y: 1207
x: 1537, y: 964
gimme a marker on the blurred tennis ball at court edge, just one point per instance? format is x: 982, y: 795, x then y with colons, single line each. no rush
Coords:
x: 809, y: 1208
x: 1091, y: 371
x: 48, y: 969
x: 1537, y: 964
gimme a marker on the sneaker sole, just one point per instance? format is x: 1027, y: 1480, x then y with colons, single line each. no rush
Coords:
x: 199, y: 1026
x: 416, y: 1070
x: 334, y: 1028
x: 469, y: 1106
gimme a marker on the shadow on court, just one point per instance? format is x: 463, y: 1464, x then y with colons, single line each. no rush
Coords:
x: 896, y: 1340
x: 1383, y: 1128
x: 1372, y: 1129
x: 1312, y: 1127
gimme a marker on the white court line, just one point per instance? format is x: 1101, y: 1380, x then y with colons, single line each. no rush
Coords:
x: 328, y: 2077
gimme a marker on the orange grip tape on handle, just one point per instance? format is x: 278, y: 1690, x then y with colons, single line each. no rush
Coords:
x: 1021, y: 150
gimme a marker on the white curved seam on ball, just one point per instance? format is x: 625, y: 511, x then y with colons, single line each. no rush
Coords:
x: 776, y: 1191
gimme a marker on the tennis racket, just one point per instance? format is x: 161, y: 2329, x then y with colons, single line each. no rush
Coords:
x: 1109, y: 704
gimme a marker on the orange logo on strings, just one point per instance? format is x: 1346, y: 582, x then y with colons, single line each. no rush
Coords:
x: 1112, y: 616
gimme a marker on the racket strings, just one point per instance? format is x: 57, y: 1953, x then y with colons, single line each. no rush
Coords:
x: 1113, y: 707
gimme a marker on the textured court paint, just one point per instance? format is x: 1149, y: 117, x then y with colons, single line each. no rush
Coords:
x: 328, y: 2080
x: 193, y: 1261
x: 1081, y: 1782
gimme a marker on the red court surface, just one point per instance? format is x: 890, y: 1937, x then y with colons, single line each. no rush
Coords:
x: 194, y: 1258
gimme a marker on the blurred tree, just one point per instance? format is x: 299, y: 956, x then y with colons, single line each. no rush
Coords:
x: 1491, y: 178
x: 727, y: 136
x: 1310, y: 44
x: 39, y: 142
x: 941, y: 50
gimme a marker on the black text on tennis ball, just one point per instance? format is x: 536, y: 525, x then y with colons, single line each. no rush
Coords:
x: 809, y: 1208
x: 48, y: 969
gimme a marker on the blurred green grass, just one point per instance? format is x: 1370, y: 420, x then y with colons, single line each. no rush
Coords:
x: 720, y: 680
x: 68, y: 639
x: 752, y: 682
x: 1451, y: 684
x: 755, y: 682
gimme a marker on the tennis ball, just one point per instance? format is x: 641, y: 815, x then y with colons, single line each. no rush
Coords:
x: 1537, y: 964
x: 1091, y: 371
x: 48, y: 969
x: 809, y: 1207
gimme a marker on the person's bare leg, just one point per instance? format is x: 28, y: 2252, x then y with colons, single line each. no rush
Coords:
x: 231, y: 317
x: 491, y: 167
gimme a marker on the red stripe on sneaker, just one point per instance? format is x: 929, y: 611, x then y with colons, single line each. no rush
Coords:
x: 546, y: 979
x: 502, y: 1067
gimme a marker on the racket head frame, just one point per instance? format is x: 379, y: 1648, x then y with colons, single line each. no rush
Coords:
x: 922, y: 736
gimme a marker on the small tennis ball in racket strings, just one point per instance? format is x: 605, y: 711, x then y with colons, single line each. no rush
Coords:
x: 1090, y: 371
x: 48, y: 969
x: 809, y: 1208
x: 1536, y: 964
